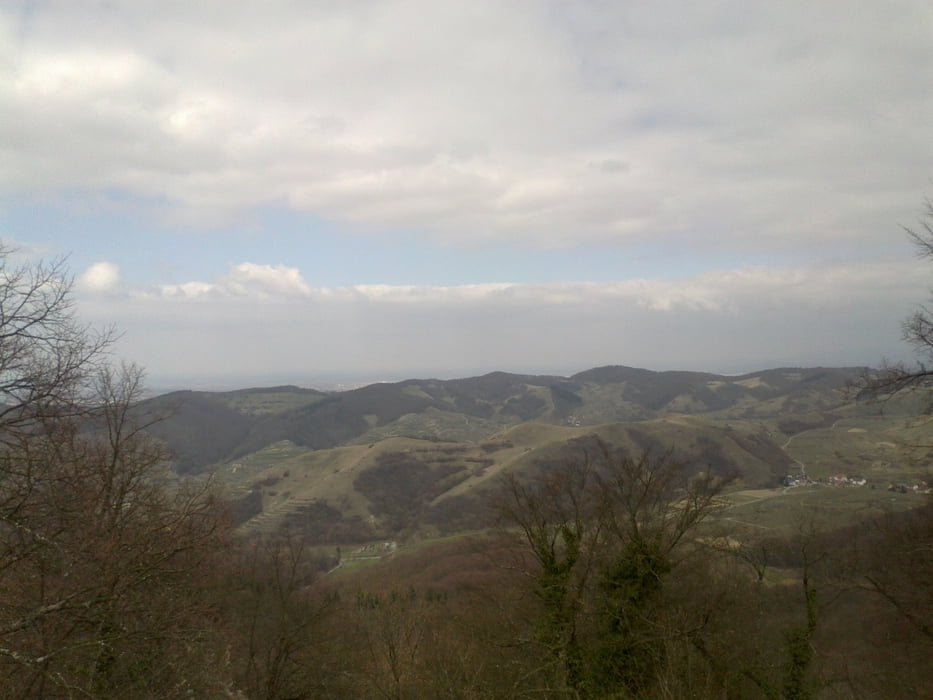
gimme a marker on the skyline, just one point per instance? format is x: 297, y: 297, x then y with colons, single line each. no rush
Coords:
x: 399, y: 189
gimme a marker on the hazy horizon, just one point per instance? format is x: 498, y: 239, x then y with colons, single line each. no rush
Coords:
x: 352, y: 380
x: 402, y: 187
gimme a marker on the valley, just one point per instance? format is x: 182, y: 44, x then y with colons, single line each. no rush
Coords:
x: 420, y: 459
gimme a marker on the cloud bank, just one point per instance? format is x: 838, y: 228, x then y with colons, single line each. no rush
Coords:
x: 733, y: 125
x: 245, y: 280
x: 322, y: 187
x: 261, y: 321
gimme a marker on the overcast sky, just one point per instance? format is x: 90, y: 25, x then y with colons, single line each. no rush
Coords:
x: 294, y: 191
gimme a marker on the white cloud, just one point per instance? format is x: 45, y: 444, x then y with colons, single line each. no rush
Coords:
x: 245, y: 280
x: 187, y: 290
x: 731, y: 132
x: 99, y: 277
x: 730, y: 320
x: 721, y: 292
x: 733, y: 125
x: 277, y: 280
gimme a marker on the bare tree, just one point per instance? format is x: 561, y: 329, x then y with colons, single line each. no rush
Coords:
x: 917, y: 330
x: 602, y: 532
x: 899, y: 566
x: 47, y: 357
x: 560, y: 520
x: 653, y: 504
x: 101, y: 553
x: 103, y: 558
x: 276, y: 607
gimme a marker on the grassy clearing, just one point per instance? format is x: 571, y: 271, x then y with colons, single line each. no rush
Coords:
x: 293, y: 478
x: 783, y: 510
x: 349, y: 566
x: 245, y: 470
x: 880, y: 448
x: 256, y: 403
x: 433, y: 424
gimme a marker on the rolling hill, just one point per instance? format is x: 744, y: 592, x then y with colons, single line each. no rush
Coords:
x: 422, y: 456
x: 207, y: 428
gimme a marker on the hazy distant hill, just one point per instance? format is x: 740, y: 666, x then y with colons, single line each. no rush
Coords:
x: 762, y: 394
x: 392, y: 459
x: 205, y: 428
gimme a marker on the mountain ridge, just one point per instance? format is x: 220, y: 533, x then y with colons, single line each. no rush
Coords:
x: 421, y: 457
x: 204, y: 428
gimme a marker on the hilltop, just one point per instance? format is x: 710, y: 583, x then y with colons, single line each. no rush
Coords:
x: 206, y: 428
x: 422, y: 455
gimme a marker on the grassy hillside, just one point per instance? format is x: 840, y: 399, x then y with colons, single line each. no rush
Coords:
x: 205, y: 428
x: 399, y: 487
x: 420, y: 457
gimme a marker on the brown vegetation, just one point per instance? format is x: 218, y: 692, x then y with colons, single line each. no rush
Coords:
x: 604, y: 578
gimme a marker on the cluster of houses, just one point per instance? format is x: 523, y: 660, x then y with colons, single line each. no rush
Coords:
x: 918, y: 487
x: 846, y: 480
x: 791, y: 480
x: 375, y: 550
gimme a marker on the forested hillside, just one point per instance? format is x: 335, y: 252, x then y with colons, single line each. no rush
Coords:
x: 205, y: 428
x: 422, y: 456
x: 619, y: 533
